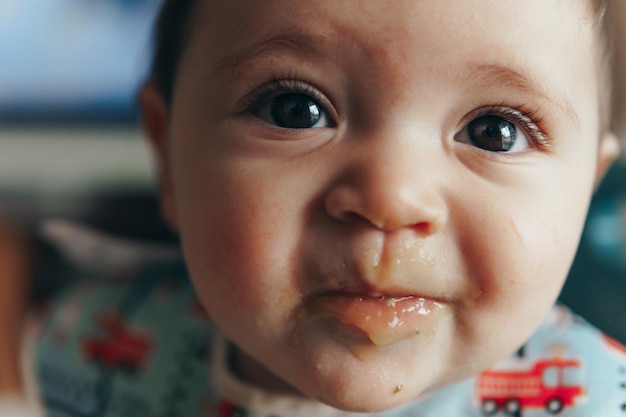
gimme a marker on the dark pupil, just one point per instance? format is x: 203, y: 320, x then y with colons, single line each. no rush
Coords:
x: 295, y: 111
x: 492, y: 133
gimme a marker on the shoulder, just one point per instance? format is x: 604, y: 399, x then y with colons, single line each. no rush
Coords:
x: 125, y: 343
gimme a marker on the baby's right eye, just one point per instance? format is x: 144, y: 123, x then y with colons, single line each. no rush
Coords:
x: 293, y: 111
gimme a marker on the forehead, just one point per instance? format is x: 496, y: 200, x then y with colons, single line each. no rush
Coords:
x: 473, y: 18
x: 531, y: 38
x: 413, y: 27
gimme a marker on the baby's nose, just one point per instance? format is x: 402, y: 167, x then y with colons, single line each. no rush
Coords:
x: 390, y: 190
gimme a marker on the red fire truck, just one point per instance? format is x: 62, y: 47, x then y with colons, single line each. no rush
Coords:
x: 552, y: 384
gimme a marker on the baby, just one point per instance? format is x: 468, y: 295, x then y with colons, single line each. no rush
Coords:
x: 378, y: 203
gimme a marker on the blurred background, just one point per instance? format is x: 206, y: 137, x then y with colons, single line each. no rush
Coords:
x: 68, y: 119
x: 70, y: 147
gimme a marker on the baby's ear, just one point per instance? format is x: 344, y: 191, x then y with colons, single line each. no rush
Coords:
x: 608, y: 151
x: 155, y: 121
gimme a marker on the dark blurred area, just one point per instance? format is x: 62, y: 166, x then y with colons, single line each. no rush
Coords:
x: 596, y: 287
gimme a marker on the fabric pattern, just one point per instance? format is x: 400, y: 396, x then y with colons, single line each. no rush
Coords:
x: 140, y: 345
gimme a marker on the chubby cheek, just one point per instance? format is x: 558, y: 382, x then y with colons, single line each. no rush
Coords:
x: 238, y: 241
x: 519, y: 260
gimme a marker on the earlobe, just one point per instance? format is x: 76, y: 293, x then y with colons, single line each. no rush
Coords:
x: 608, y: 152
x: 155, y: 121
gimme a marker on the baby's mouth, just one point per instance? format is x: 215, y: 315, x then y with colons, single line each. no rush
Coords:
x: 383, y: 319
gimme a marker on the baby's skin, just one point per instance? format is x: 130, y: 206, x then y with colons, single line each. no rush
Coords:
x: 379, y: 198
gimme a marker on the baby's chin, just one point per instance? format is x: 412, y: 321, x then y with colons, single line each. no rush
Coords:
x: 380, y: 384
x: 342, y: 368
x: 372, y: 382
x: 345, y: 383
x: 365, y: 395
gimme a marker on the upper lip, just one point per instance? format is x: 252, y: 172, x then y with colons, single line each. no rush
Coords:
x: 352, y: 281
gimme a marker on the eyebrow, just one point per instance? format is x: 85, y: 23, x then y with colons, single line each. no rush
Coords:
x: 285, y: 42
x: 498, y: 76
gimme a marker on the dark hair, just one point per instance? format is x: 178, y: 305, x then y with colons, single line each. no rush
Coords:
x: 171, y: 33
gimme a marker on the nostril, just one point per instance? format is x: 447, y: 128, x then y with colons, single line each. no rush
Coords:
x: 423, y: 228
x: 355, y: 219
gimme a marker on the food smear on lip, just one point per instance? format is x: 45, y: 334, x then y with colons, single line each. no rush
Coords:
x: 384, y: 320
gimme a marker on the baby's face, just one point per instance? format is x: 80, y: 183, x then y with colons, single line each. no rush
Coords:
x: 379, y: 198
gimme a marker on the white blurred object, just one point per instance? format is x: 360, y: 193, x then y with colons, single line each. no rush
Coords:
x: 94, y: 251
x: 66, y: 160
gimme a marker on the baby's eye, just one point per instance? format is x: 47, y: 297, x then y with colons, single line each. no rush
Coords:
x: 293, y: 111
x: 495, y: 134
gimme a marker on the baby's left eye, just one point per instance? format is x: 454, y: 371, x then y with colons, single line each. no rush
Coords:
x: 493, y: 133
x: 293, y: 111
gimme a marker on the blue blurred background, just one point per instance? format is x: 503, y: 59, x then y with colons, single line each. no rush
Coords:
x: 68, y: 116
x: 72, y: 60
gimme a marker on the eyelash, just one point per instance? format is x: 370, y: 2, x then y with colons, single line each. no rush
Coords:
x: 277, y: 86
x: 525, y: 117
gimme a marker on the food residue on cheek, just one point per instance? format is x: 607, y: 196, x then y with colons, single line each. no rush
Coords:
x: 398, y: 388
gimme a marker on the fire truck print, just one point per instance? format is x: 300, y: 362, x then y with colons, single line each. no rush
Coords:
x: 120, y: 348
x: 551, y: 384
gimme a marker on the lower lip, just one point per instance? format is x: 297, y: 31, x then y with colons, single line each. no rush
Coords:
x: 384, y: 320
